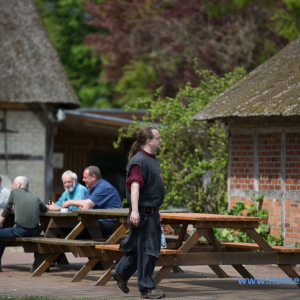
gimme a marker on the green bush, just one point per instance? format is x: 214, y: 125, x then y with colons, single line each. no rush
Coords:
x: 239, y: 235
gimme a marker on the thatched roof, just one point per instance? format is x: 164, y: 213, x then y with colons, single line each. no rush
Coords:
x: 272, y: 89
x: 30, y: 70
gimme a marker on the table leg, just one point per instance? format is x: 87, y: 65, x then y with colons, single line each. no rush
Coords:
x: 45, y: 265
x: 54, y: 233
x: 211, y: 238
x: 93, y: 261
x: 118, y: 234
x: 53, y: 230
x: 86, y: 269
x: 240, y: 268
x: 266, y: 247
x: 177, y: 270
x: 76, y: 231
x: 181, y: 237
x: 191, y: 241
x: 288, y: 270
x: 107, y: 276
x: 177, y: 229
x: 243, y: 271
x: 219, y: 271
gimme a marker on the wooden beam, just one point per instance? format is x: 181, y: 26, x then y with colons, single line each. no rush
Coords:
x: 256, y: 165
x: 283, y: 180
x: 229, y: 171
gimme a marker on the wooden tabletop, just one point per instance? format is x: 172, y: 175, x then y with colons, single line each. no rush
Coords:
x: 207, y: 217
x: 58, y: 213
x: 117, y: 212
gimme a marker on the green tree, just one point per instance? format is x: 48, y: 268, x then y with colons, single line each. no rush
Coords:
x: 287, y: 20
x: 67, y: 26
x: 189, y: 148
x: 164, y: 37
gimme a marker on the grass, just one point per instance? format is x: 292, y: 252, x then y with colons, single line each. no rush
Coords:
x: 47, y: 298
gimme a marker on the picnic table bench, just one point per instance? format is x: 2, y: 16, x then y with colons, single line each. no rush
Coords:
x: 253, y: 246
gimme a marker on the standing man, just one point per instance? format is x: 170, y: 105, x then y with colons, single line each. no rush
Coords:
x: 4, y: 194
x: 145, y: 194
x: 73, y: 190
x: 100, y: 194
x: 27, y: 206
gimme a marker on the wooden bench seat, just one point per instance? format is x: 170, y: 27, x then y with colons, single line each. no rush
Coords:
x: 252, y: 246
x: 61, y: 242
x: 239, y: 245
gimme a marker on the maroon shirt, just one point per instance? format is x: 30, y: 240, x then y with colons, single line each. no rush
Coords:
x: 136, y: 174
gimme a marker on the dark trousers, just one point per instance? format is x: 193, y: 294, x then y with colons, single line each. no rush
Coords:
x: 107, y: 227
x: 16, y: 231
x: 138, y: 261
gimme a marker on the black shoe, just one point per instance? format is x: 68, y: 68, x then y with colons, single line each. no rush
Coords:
x: 122, y: 283
x: 152, y: 294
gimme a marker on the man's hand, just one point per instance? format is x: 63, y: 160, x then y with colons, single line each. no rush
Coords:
x: 65, y: 204
x: 1, y: 221
x: 53, y: 206
x: 160, y: 218
x: 85, y: 207
x: 135, y: 218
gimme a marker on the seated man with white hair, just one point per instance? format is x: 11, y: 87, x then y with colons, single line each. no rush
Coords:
x: 27, y: 207
x: 73, y: 191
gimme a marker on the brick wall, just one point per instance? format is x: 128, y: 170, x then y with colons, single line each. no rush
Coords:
x: 269, y: 152
x: 269, y: 178
x: 292, y: 206
x: 242, y: 162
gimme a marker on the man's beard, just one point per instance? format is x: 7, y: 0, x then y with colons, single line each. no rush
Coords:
x: 158, y: 150
x: 70, y: 189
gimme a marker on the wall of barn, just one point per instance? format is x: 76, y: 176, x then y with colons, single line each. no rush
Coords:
x: 25, y: 148
x: 264, y: 161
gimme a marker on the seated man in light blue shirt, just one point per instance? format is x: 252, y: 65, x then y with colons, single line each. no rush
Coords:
x: 73, y: 191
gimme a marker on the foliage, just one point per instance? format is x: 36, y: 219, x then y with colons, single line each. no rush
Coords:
x: 135, y: 82
x: 164, y: 37
x: 287, y: 19
x: 65, y: 21
x: 190, y: 149
x: 139, y: 46
x: 239, y: 235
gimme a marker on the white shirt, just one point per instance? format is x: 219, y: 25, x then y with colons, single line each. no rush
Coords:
x: 4, y: 195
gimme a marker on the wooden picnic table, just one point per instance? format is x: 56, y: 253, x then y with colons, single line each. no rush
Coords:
x: 78, y: 220
x: 214, y: 254
x: 218, y: 256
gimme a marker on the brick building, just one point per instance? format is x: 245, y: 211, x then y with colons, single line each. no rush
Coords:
x: 262, y: 114
x: 33, y: 86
